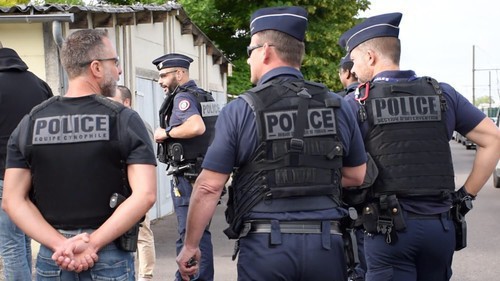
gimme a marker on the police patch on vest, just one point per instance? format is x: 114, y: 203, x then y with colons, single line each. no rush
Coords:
x: 406, y: 109
x: 210, y: 108
x: 71, y: 129
x: 281, y: 124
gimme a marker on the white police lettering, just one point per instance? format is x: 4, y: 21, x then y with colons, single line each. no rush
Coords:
x: 406, y: 109
x: 281, y: 124
x: 71, y: 128
x: 210, y: 108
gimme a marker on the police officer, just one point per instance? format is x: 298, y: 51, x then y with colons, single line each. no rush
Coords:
x: 71, y: 159
x: 354, y: 196
x: 291, y: 144
x: 407, y: 122
x: 184, y: 135
x: 347, y: 77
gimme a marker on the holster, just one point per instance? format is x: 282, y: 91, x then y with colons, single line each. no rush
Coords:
x: 349, y: 237
x: 460, y: 228
x: 161, y: 153
x: 128, y: 240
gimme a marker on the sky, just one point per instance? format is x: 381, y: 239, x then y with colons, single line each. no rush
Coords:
x: 437, y: 39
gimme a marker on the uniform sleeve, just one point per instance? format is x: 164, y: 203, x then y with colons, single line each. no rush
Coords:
x: 17, y: 145
x: 137, y: 141
x: 185, y: 105
x: 350, y: 135
x: 462, y: 116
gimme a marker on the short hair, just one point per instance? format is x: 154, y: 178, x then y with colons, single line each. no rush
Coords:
x: 288, y: 48
x: 125, y: 93
x: 80, y: 48
x: 346, y: 66
x: 389, y: 47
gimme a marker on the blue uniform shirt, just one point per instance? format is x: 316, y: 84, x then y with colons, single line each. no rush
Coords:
x: 236, y: 134
x: 461, y: 116
x: 185, y: 105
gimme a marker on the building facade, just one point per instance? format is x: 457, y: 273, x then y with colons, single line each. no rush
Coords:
x: 140, y: 34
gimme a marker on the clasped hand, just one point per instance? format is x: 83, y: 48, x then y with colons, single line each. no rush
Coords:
x: 76, y: 253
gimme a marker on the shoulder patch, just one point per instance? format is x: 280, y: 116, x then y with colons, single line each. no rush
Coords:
x: 184, y: 105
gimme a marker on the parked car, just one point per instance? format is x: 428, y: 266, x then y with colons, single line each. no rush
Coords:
x: 496, y: 172
x: 464, y: 140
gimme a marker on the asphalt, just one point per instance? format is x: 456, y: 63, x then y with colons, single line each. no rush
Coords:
x: 165, y: 235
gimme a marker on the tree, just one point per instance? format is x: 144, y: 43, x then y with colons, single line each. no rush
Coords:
x: 226, y: 23
x: 483, y: 100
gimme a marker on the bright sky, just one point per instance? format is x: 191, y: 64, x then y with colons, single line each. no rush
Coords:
x: 437, y: 38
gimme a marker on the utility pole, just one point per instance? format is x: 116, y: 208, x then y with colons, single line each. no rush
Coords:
x: 474, y: 69
x: 473, y: 74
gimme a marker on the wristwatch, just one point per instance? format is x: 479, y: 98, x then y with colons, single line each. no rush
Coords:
x: 168, y: 132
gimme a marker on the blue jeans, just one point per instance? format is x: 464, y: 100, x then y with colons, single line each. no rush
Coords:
x: 15, y: 248
x: 113, y: 265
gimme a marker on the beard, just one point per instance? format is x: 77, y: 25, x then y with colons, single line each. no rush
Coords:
x: 108, y: 86
x: 172, y: 87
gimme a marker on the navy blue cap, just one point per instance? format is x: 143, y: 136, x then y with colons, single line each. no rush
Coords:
x: 291, y: 20
x: 172, y: 60
x: 345, y: 59
x: 386, y: 25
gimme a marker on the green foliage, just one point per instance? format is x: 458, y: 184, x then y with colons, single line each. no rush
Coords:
x: 10, y: 3
x: 226, y: 23
x: 483, y: 100
x: 239, y: 83
x: 67, y: 2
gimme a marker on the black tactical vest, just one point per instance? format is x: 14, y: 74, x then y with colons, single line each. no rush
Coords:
x: 407, y: 138
x: 194, y: 149
x: 75, y: 159
x: 299, y: 156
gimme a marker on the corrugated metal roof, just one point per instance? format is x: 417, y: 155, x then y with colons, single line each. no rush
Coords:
x: 102, y: 16
x: 51, y: 8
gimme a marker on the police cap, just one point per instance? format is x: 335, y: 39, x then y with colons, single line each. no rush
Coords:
x: 385, y: 25
x: 172, y: 60
x: 291, y: 20
x: 346, y: 60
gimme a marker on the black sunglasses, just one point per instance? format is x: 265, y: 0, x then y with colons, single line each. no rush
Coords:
x: 251, y: 48
x: 117, y: 61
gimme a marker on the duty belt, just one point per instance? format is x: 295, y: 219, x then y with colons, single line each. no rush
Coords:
x: 275, y: 228
x: 294, y: 227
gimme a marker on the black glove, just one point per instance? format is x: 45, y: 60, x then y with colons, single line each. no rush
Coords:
x: 462, y: 200
x: 460, y: 195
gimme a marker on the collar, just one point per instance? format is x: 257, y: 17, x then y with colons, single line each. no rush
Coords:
x: 395, y: 76
x: 286, y: 71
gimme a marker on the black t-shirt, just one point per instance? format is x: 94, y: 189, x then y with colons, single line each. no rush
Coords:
x: 132, y: 133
